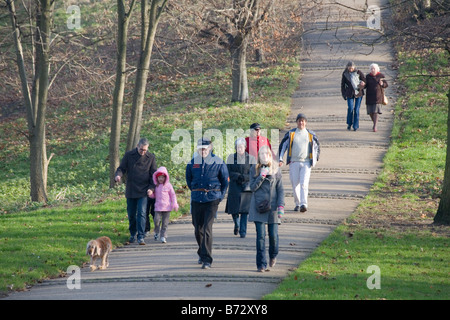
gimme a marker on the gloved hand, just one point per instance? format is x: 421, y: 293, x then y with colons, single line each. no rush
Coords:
x: 264, y: 171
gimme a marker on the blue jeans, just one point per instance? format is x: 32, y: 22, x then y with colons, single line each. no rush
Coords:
x: 241, y: 223
x: 136, y: 208
x: 353, y: 112
x: 261, y: 260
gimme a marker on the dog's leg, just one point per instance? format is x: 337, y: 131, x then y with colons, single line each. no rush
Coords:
x: 107, y: 259
x: 103, y: 266
x: 93, y: 266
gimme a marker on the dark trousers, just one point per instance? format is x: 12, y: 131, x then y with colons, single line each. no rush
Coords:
x: 203, y: 215
x: 150, y: 210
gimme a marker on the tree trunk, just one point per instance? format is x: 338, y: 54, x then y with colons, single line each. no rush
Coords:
x: 38, y: 156
x: 36, y: 104
x: 238, y: 52
x: 443, y: 213
x: 151, y: 12
x: 119, y: 87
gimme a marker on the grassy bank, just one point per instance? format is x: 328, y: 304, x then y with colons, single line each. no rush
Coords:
x: 40, y: 241
x: 392, y: 227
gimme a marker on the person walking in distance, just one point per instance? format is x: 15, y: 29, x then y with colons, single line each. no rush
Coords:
x: 375, y: 85
x: 303, y: 150
x: 352, y: 82
x: 255, y: 140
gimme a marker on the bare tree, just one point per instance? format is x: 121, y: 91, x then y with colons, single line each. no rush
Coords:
x: 123, y: 20
x: 151, y: 11
x: 422, y: 26
x: 443, y: 212
x: 233, y: 25
x: 35, y: 100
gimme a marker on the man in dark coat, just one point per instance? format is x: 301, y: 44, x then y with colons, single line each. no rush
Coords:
x: 139, y: 165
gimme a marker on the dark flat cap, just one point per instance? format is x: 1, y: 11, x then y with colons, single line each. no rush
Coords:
x: 255, y: 126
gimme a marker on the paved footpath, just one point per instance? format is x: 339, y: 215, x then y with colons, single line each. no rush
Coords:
x: 349, y: 164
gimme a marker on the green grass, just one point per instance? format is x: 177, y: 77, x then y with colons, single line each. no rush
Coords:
x: 39, y: 241
x: 412, y: 266
x: 392, y: 228
x: 40, y: 244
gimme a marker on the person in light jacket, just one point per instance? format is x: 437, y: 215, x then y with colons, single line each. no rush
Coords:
x: 266, y: 206
x: 165, y: 202
x: 303, y: 151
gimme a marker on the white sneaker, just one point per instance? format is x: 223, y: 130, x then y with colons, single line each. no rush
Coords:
x: 163, y: 240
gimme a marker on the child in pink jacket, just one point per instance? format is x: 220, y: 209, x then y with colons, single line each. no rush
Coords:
x: 165, y: 201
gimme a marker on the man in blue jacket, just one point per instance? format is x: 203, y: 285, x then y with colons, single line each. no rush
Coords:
x: 207, y: 178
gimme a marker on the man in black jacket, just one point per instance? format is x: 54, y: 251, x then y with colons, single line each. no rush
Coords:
x: 139, y: 165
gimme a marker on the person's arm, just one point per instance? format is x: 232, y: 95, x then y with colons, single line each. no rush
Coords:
x: 122, y: 169
x: 223, y: 178
x: 153, y: 168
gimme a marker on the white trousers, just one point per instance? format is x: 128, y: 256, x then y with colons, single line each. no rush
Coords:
x: 299, y: 173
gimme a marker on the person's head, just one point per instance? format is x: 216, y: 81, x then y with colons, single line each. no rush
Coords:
x: 265, y: 159
x: 351, y: 66
x: 142, y: 146
x: 255, y: 129
x: 240, y: 146
x: 301, y: 121
x: 204, y: 146
x: 161, y: 177
x: 265, y: 156
x: 374, y: 69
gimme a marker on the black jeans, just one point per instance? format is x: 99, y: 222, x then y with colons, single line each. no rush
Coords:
x: 203, y: 215
x: 150, y: 210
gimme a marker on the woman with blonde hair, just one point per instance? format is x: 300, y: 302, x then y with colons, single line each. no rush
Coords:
x: 266, y: 205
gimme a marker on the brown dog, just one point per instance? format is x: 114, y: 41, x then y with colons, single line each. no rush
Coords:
x: 99, y: 248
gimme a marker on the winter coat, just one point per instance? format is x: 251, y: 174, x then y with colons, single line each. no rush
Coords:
x: 347, y: 89
x: 239, y: 178
x: 263, y: 187
x: 286, y: 145
x: 207, y: 178
x: 139, y: 170
x: 164, y: 195
x: 374, y: 92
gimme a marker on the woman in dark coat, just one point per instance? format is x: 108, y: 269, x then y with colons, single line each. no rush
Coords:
x: 375, y: 85
x: 351, y: 83
x: 239, y: 194
x: 266, y: 206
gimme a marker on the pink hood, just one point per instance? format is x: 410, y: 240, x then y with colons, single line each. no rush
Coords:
x: 164, y: 195
x: 164, y: 171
